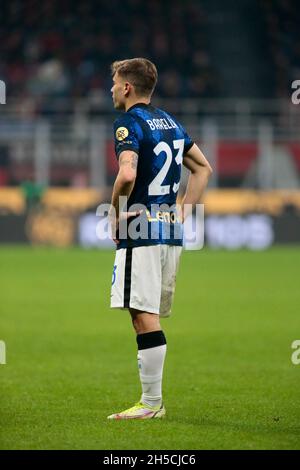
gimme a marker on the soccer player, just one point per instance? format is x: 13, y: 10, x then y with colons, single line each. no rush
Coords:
x: 151, y: 146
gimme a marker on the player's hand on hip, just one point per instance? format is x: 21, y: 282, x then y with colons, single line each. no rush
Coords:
x: 115, y: 222
x: 114, y: 225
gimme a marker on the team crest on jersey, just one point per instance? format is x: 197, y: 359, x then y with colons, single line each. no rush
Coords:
x: 121, y: 133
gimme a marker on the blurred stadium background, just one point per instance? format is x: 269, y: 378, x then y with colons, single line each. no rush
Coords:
x: 226, y: 69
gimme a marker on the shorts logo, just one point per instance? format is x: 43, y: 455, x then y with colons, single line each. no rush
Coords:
x: 114, y: 275
x: 121, y: 133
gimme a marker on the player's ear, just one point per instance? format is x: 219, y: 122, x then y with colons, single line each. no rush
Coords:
x: 127, y: 88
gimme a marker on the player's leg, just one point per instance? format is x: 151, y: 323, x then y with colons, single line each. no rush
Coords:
x: 151, y: 354
x: 144, y: 322
x: 152, y: 348
x: 140, y: 275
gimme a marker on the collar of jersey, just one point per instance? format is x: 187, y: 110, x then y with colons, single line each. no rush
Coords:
x: 138, y: 105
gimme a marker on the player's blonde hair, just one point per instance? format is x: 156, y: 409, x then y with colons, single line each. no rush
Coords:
x: 140, y: 72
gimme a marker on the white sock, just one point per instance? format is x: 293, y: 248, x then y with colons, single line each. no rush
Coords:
x: 151, y: 363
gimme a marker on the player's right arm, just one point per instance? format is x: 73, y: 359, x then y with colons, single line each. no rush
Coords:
x: 200, y: 172
x: 127, y: 139
x: 124, y: 183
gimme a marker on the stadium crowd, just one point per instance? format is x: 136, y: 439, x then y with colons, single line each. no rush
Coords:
x: 64, y: 48
x: 282, y: 26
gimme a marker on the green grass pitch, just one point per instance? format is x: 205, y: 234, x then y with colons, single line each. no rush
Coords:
x: 229, y: 382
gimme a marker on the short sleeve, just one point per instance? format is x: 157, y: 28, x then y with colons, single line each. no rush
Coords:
x: 126, y: 134
x: 188, y: 142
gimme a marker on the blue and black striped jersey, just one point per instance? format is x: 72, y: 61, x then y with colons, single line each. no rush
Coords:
x: 160, y: 142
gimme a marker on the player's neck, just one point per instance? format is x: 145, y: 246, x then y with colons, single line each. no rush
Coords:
x: 133, y: 101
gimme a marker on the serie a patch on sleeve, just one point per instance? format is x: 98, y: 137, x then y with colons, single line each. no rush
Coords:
x: 121, y: 133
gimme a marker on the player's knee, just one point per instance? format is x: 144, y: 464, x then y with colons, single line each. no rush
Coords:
x: 145, y: 322
x: 134, y: 324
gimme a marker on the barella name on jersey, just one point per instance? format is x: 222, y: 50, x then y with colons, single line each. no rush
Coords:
x: 165, y: 123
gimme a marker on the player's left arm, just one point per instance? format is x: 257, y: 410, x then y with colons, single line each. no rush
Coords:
x: 123, y: 186
x: 200, y: 172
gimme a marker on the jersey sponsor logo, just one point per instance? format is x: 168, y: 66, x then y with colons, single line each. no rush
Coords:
x: 163, y: 216
x: 121, y: 133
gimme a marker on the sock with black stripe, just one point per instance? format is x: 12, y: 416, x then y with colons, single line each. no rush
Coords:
x: 152, y: 349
